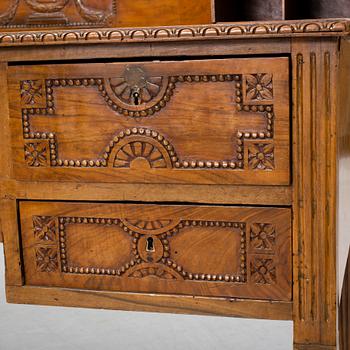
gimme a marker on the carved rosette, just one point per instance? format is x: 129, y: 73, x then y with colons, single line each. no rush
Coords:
x: 44, y: 228
x: 32, y: 93
x: 262, y: 237
x: 261, y: 156
x: 151, y: 249
x: 263, y: 271
x: 46, y: 259
x: 259, y: 88
x: 36, y: 154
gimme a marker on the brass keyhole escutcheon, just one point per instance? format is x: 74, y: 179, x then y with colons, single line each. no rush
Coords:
x: 150, y: 245
x: 150, y: 248
x: 136, y: 98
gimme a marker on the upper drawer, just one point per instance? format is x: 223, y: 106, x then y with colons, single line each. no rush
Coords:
x: 223, y: 121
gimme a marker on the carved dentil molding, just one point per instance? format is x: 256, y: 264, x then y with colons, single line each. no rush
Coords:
x: 329, y: 27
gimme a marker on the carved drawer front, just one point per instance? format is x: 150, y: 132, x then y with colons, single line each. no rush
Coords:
x: 190, y: 250
x: 223, y: 121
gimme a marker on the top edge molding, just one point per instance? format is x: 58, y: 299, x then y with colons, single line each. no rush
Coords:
x: 242, y: 30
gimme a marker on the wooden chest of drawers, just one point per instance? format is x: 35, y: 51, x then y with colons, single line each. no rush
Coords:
x: 177, y: 169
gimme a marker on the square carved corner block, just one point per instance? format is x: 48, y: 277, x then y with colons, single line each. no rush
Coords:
x: 189, y: 169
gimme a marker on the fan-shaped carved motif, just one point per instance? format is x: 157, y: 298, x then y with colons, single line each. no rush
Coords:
x: 139, y: 151
x: 136, y: 91
x: 154, y: 271
x: 153, y: 227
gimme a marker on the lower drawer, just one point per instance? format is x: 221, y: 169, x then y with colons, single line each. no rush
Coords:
x: 214, y: 251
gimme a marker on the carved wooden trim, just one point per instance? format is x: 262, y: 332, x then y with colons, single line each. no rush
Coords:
x: 332, y: 27
x: 253, y: 93
x: 314, y: 192
x: 159, y: 266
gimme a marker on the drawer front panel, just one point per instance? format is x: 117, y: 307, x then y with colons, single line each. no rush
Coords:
x: 200, y: 122
x: 189, y: 250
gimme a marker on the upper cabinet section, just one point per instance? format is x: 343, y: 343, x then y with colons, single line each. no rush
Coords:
x: 102, y: 13
x: 223, y: 121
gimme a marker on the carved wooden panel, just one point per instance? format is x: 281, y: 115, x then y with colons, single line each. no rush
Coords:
x: 190, y: 250
x: 211, y: 121
x: 92, y: 13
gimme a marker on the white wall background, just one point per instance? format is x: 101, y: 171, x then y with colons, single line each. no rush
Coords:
x: 51, y: 328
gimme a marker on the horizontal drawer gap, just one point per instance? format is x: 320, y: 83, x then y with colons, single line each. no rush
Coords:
x: 142, y: 58
x: 160, y: 203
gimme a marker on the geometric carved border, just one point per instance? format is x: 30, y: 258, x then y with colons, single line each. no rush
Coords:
x: 254, y: 93
x: 161, y: 266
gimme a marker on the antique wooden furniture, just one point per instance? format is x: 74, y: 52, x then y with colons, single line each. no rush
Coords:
x: 192, y: 169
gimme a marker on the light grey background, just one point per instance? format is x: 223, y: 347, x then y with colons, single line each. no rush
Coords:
x: 24, y: 327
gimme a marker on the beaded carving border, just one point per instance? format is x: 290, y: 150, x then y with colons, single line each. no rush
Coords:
x: 163, y: 263
x: 42, y: 102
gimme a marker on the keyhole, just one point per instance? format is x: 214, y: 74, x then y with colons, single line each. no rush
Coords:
x: 136, y: 98
x: 150, y: 245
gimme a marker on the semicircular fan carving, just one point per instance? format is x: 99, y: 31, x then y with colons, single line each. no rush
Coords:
x: 154, y: 271
x: 139, y: 152
x: 140, y: 148
x: 137, y: 93
x: 128, y: 91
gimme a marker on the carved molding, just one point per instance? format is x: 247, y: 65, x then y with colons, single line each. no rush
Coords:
x: 146, y: 148
x: 330, y: 27
x: 142, y: 262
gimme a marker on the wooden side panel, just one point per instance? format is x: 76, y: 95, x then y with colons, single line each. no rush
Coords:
x: 8, y: 208
x: 315, y: 165
x: 97, y: 13
x: 186, y: 250
x: 199, y: 122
